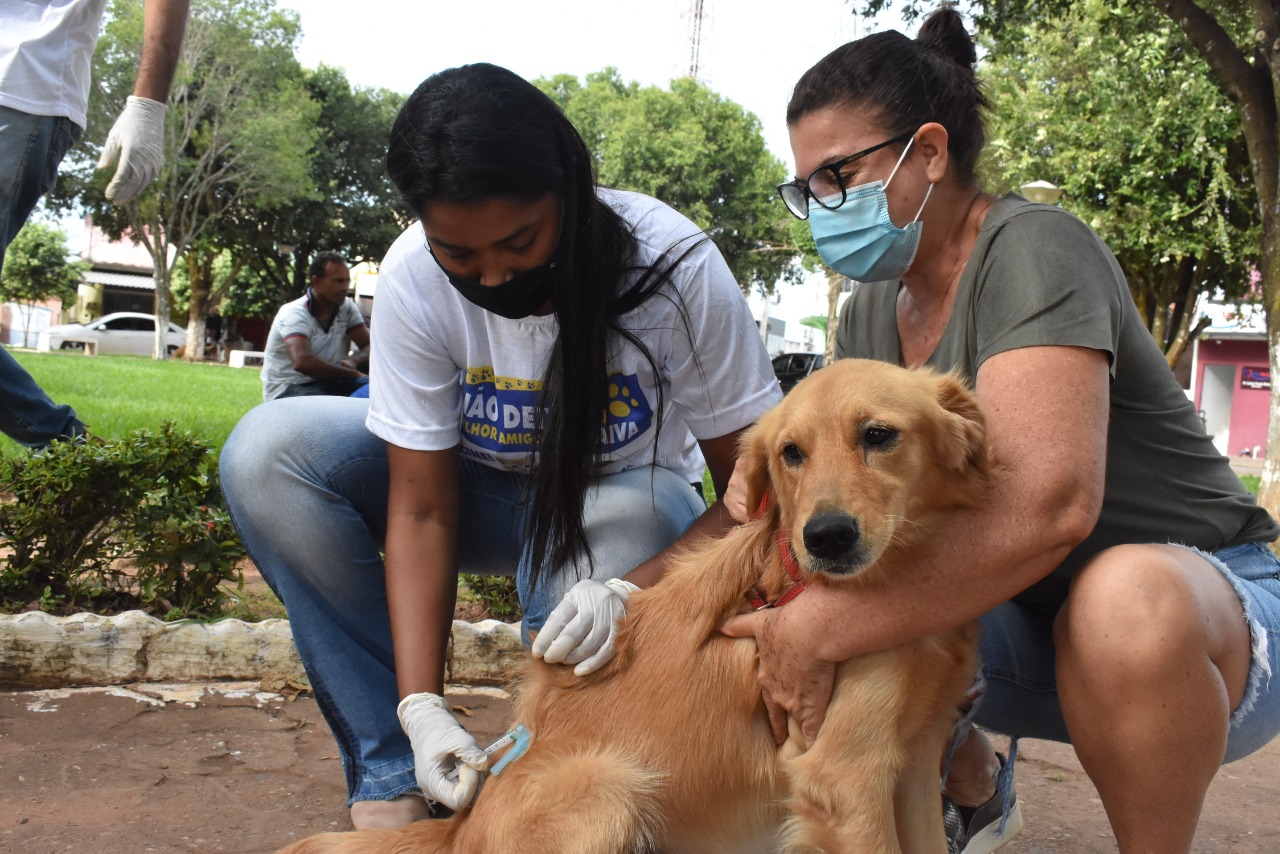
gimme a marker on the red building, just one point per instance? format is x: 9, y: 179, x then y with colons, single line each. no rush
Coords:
x: 1231, y: 379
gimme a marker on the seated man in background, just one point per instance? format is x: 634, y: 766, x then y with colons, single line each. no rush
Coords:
x: 311, y: 337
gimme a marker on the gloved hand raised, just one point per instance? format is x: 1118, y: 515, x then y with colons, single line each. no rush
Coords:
x: 581, y: 628
x: 138, y: 137
x: 440, y: 745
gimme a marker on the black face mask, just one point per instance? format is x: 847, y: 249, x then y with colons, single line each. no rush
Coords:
x: 519, y: 296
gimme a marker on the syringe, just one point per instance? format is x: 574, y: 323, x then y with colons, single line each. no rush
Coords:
x: 519, y: 736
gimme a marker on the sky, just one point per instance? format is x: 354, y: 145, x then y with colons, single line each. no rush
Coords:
x: 751, y: 51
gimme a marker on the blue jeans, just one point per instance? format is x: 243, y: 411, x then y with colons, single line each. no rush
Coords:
x: 31, y: 147
x: 306, y: 484
x: 27, y: 414
x: 339, y: 387
x: 1021, y: 696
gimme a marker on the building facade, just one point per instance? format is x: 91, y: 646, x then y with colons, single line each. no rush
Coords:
x: 1231, y: 379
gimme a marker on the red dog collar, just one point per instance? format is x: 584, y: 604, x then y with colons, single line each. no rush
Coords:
x: 755, y: 595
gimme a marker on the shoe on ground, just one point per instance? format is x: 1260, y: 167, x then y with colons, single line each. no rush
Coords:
x: 981, y: 831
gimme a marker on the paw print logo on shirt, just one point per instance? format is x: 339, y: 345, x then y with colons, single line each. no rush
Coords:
x: 628, y: 413
x: 621, y: 403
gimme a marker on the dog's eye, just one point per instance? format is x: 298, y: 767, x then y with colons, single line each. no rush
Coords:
x: 792, y: 455
x: 878, y: 435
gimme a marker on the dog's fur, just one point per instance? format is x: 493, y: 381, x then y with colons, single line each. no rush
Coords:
x: 667, y: 748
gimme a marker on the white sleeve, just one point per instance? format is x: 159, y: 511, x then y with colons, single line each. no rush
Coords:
x: 415, y: 391
x: 724, y: 381
x: 293, y: 320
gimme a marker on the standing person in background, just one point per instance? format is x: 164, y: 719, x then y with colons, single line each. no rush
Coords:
x: 1129, y: 602
x: 46, y: 49
x: 309, y: 345
x: 555, y: 365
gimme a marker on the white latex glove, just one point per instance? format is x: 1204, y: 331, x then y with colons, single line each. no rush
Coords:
x: 440, y: 745
x: 138, y: 137
x: 582, y: 627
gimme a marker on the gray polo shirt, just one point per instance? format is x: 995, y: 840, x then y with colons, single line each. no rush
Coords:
x: 331, y: 343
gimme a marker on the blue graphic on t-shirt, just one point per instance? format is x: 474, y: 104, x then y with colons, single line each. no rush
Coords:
x: 502, y: 415
x: 628, y: 413
x: 499, y: 413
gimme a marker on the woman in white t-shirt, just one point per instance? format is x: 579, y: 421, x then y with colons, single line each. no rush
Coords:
x: 553, y: 364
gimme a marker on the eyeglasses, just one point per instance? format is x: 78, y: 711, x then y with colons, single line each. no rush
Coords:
x: 825, y: 184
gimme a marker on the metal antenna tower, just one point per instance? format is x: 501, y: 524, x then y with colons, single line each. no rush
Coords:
x: 695, y: 37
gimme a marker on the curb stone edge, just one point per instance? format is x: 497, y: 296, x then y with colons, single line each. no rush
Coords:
x: 38, y: 650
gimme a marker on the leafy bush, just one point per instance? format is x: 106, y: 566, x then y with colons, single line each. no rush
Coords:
x: 112, y: 524
x: 496, y: 592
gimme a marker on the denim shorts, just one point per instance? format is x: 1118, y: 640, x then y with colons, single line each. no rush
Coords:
x: 1021, y: 695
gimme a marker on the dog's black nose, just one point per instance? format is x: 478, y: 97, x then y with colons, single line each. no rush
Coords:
x: 830, y: 536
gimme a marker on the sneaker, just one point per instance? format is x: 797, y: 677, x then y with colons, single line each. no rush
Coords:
x: 983, y: 829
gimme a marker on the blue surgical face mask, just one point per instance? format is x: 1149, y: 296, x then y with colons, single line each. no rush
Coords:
x: 859, y: 240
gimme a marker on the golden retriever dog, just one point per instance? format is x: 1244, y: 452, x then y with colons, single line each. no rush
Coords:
x: 668, y: 748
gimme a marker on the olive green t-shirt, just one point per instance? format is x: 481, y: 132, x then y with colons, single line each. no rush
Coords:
x: 1039, y: 277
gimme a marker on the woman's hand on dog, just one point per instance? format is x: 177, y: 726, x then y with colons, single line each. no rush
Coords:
x: 794, y: 684
x: 582, y: 627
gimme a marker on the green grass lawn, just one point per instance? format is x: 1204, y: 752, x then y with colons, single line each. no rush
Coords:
x: 116, y: 394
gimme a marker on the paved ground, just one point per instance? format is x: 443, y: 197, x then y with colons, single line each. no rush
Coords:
x: 1247, y: 465
x: 177, y: 768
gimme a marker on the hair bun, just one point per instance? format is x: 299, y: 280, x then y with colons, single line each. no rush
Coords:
x: 943, y: 31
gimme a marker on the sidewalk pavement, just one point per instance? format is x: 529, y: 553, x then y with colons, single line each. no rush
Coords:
x: 230, y: 767
x: 1247, y: 465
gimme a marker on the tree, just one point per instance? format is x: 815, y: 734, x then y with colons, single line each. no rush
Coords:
x: 240, y: 266
x: 353, y: 209
x: 239, y: 134
x: 698, y: 152
x: 37, y: 268
x: 1146, y: 149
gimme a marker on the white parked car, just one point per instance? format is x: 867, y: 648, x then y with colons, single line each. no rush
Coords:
x: 127, y: 332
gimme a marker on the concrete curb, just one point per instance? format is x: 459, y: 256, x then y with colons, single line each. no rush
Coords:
x: 41, y: 651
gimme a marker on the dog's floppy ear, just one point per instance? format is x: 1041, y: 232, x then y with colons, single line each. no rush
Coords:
x: 753, y: 461
x: 963, y: 440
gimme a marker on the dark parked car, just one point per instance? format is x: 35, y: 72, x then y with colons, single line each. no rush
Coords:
x: 790, y: 368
